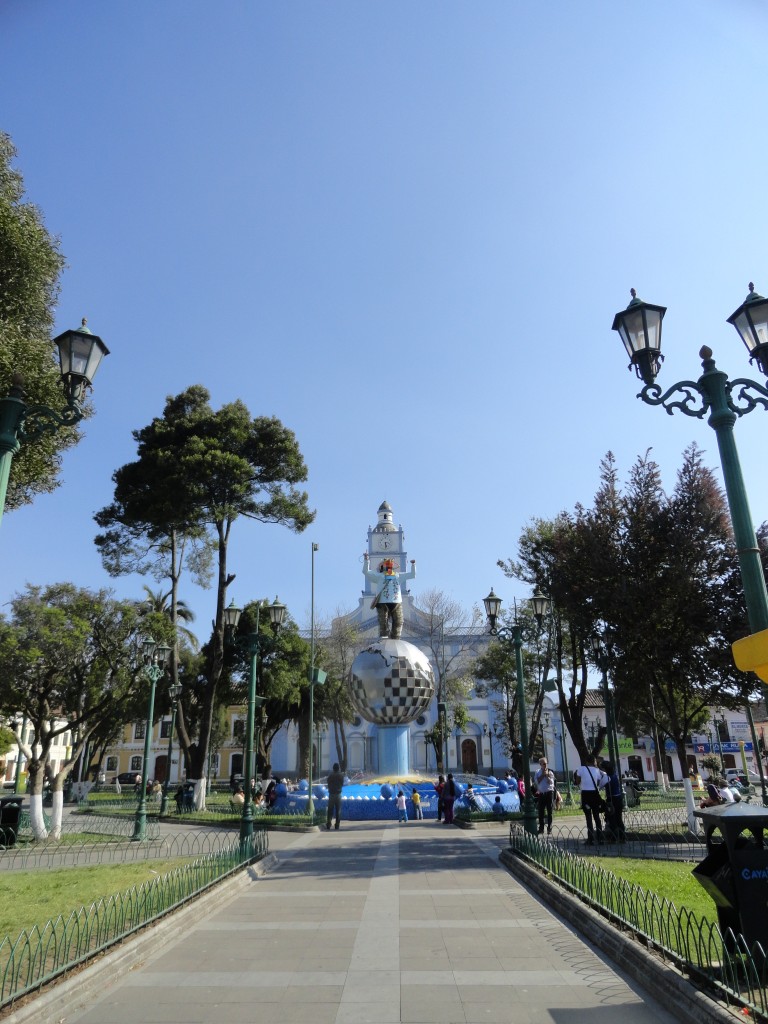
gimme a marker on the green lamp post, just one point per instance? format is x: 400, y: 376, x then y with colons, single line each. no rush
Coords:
x: 252, y: 644
x: 515, y: 634
x: 562, y: 739
x: 155, y: 657
x: 318, y: 679
x: 174, y: 692
x: 80, y: 354
x: 724, y: 401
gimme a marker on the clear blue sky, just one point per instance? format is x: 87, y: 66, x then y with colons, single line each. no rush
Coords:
x: 404, y: 229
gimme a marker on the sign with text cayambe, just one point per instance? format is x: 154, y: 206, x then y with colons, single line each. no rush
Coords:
x: 626, y: 745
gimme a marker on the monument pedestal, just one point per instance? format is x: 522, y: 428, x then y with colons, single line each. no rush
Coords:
x: 393, y: 750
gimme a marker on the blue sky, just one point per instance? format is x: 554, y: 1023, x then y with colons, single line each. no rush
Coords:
x: 404, y: 229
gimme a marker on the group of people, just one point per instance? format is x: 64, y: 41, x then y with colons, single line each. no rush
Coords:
x: 719, y: 792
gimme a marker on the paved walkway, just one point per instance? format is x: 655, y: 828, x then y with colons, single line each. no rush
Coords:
x: 377, y: 923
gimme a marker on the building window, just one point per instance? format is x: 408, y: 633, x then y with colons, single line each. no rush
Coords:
x: 165, y: 729
x: 238, y: 730
x: 139, y: 730
x: 136, y: 763
x: 112, y: 764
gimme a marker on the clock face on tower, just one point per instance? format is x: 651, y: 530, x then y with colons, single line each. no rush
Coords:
x: 384, y: 544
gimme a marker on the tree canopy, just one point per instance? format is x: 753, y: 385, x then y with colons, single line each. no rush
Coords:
x: 198, y: 471
x: 30, y: 268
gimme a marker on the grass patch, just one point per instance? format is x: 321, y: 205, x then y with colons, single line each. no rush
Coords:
x: 33, y: 897
x: 670, y: 880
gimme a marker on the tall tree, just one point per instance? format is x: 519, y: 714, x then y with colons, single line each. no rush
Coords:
x: 198, y: 471
x: 336, y: 651
x: 30, y: 268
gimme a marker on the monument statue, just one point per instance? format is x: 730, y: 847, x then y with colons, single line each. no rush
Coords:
x: 388, y: 602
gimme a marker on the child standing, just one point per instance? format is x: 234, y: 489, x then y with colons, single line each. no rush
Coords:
x: 402, y: 812
x: 418, y: 814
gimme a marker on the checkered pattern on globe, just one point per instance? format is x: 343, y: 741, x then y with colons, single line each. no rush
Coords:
x: 391, y: 683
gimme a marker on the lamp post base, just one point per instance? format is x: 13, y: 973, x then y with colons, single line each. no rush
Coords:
x: 530, y: 815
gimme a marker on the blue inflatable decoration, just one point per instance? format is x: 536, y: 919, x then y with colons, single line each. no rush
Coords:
x: 303, y: 786
x: 386, y: 791
x: 321, y: 792
x: 501, y: 786
x: 492, y: 780
x: 281, y: 789
x: 460, y: 787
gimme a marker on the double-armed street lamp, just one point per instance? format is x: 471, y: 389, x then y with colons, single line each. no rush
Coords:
x: 724, y: 401
x: 252, y: 644
x: 80, y: 354
x: 174, y: 692
x: 540, y: 604
x: 155, y: 657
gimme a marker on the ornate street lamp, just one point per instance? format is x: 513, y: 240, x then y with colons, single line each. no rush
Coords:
x: 725, y: 401
x: 174, y: 692
x: 515, y: 635
x: 80, y: 354
x: 155, y: 657
x: 251, y: 642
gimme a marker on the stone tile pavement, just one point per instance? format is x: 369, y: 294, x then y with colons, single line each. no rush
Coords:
x: 375, y: 924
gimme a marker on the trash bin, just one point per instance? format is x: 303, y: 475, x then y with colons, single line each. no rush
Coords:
x: 735, y: 870
x: 10, y: 812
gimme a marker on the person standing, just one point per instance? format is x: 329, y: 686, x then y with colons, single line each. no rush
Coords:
x: 402, y: 807
x: 439, y: 788
x: 449, y: 798
x: 590, y: 781
x: 544, y: 780
x: 335, y: 784
x: 418, y: 814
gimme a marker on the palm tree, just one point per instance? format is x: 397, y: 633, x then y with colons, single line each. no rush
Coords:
x: 158, y: 602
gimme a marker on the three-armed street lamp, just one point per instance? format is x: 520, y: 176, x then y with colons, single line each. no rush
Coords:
x: 252, y: 644
x: 80, y: 353
x: 724, y: 400
x: 174, y: 692
x: 155, y: 657
x: 515, y: 633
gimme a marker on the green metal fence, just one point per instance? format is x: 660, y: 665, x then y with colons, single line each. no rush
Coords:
x: 39, y: 955
x: 723, y: 964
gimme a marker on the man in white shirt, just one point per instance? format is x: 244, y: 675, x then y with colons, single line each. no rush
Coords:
x: 590, y: 780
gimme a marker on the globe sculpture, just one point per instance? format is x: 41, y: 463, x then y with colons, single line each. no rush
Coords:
x: 391, y: 683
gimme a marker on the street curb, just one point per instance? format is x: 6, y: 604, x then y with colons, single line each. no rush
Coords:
x: 664, y: 981
x: 60, y: 999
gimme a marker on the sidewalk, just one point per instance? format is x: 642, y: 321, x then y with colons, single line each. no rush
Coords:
x: 375, y: 923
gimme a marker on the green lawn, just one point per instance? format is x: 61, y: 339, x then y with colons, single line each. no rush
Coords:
x: 669, y: 880
x: 33, y: 897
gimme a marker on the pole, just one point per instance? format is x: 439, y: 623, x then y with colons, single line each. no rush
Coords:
x: 12, y: 411
x: 310, y: 801
x: 757, y: 753
x: 569, y: 797
x: 246, y: 821
x: 530, y: 816
x: 164, y: 801
x: 153, y: 673
x: 17, y: 780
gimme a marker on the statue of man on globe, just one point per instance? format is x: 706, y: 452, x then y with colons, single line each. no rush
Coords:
x: 388, y: 602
